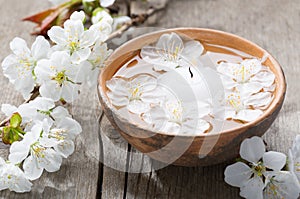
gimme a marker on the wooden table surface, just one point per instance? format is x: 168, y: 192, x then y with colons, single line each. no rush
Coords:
x: 272, y: 24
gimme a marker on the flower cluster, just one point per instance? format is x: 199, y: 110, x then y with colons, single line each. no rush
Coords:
x: 41, y: 133
x: 152, y: 99
x: 248, y: 88
x: 262, y: 174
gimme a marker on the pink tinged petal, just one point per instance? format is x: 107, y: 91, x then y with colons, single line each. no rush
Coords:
x: 8, y: 109
x: 248, y: 115
x: 106, y: 3
x: 52, y: 160
x: 57, y: 35
x: 253, y: 188
x: 252, y: 149
x: 19, y: 47
x: 274, y: 160
x: 237, y: 174
x: 65, y: 148
x: 69, y: 92
x: 32, y: 169
x: 40, y: 48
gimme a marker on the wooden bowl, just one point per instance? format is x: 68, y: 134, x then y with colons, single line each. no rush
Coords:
x: 202, y: 150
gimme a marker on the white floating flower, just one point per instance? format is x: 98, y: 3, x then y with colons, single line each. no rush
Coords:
x: 58, y: 77
x: 246, y: 107
x: 19, y: 66
x: 282, y: 184
x: 78, y: 15
x: 171, y: 52
x: 174, y: 117
x: 248, y: 76
x: 97, y: 58
x: 40, y: 157
x: 73, y: 39
x: 250, y: 178
x: 13, y: 178
x: 136, y: 93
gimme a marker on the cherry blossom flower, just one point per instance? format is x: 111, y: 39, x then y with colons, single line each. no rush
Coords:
x: 170, y: 52
x: 250, y: 177
x: 102, y: 16
x: 119, y: 21
x: 246, y: 107
x: 176, y: 117
x: 19, y: 66
x: 136, y: 93
x: 97, y: 58
x: 282, y: 184
x: 248, y: 76
x: 61, y: 136
x: 73, y: 38
x: 40, y: 157
x: 13, y: 178
x: 58, y: 77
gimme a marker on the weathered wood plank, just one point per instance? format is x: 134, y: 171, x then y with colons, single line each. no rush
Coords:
x: 78, y: 175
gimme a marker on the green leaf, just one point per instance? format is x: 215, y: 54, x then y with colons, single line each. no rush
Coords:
x: 9, y: 135
x: 15, y: 120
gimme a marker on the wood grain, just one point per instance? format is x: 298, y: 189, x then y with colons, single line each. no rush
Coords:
x: 272, y: 24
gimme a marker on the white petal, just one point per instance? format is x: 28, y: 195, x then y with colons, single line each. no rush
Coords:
x: 237, y: 174
x: 65, y: 148
x: 259, y: 100
x: 59, y: 113
x: 50, y: 90
x: 31, y: 168
x: 252, y: 149
x: 8, y: 109
x: 81, y: 55
x: 106, y: 3
x: 247, y: 89
x: 248, y: 115
x: 253, y: 188
x: 40, y: 48
x: 119, y: 21
x: 42, y: 103
x: 138, y: 106
x: 283, y: 185
x: 70, y: 92
x: 78, y: 15
x: 52, y: 161
x: 57, y: 35
x: 265, y: 78
x: 274, y: 160
x: 72, y: 127
x: 18, y: 151
x: 19, y: 47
